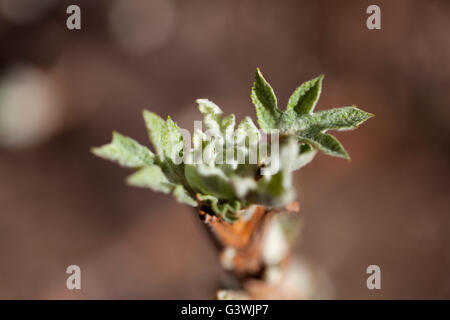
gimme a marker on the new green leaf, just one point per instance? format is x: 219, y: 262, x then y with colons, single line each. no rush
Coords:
x: 164, y: 135
x: 154, y: 178
x: 125, y: 151
x: 345, y: 118
x: 265, y: 103
x: 151, y: 177
x: 324, y: 142
x: 304, y: 99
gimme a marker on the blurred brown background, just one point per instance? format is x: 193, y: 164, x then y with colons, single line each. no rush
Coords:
x: 63, y: 91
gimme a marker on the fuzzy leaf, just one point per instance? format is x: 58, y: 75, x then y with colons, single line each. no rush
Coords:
x: 247, y: 128
x: 345, y: 118
x: 157, y: 131
x: 312, y: 128
x: 265, y: 103
x: 125, y: 151
x: 164, y: 135
x: 211, y: 115
x: 227, y: 126
x: 168, y: 142
x: 247, y: 138
x: 304, y: 99
x: 154, y: 178
x: 324, y: 142
x: 208, y: 107
x: 151, y: 177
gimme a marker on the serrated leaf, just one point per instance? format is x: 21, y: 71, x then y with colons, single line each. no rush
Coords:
x: 154, y: 178
x: 345, y: 118
x: 157, y: 131
x: 311, y: 128
x: 300, y: 121
x: 165, y: 136
x: 125, y: 151
x: 265, y: 103
x: 304, y: 99
x: 324, y: 142
x: 151, y: 177
x: 168, y: 142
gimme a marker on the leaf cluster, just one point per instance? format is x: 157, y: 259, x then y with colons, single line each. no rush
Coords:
x: 228, y: 186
